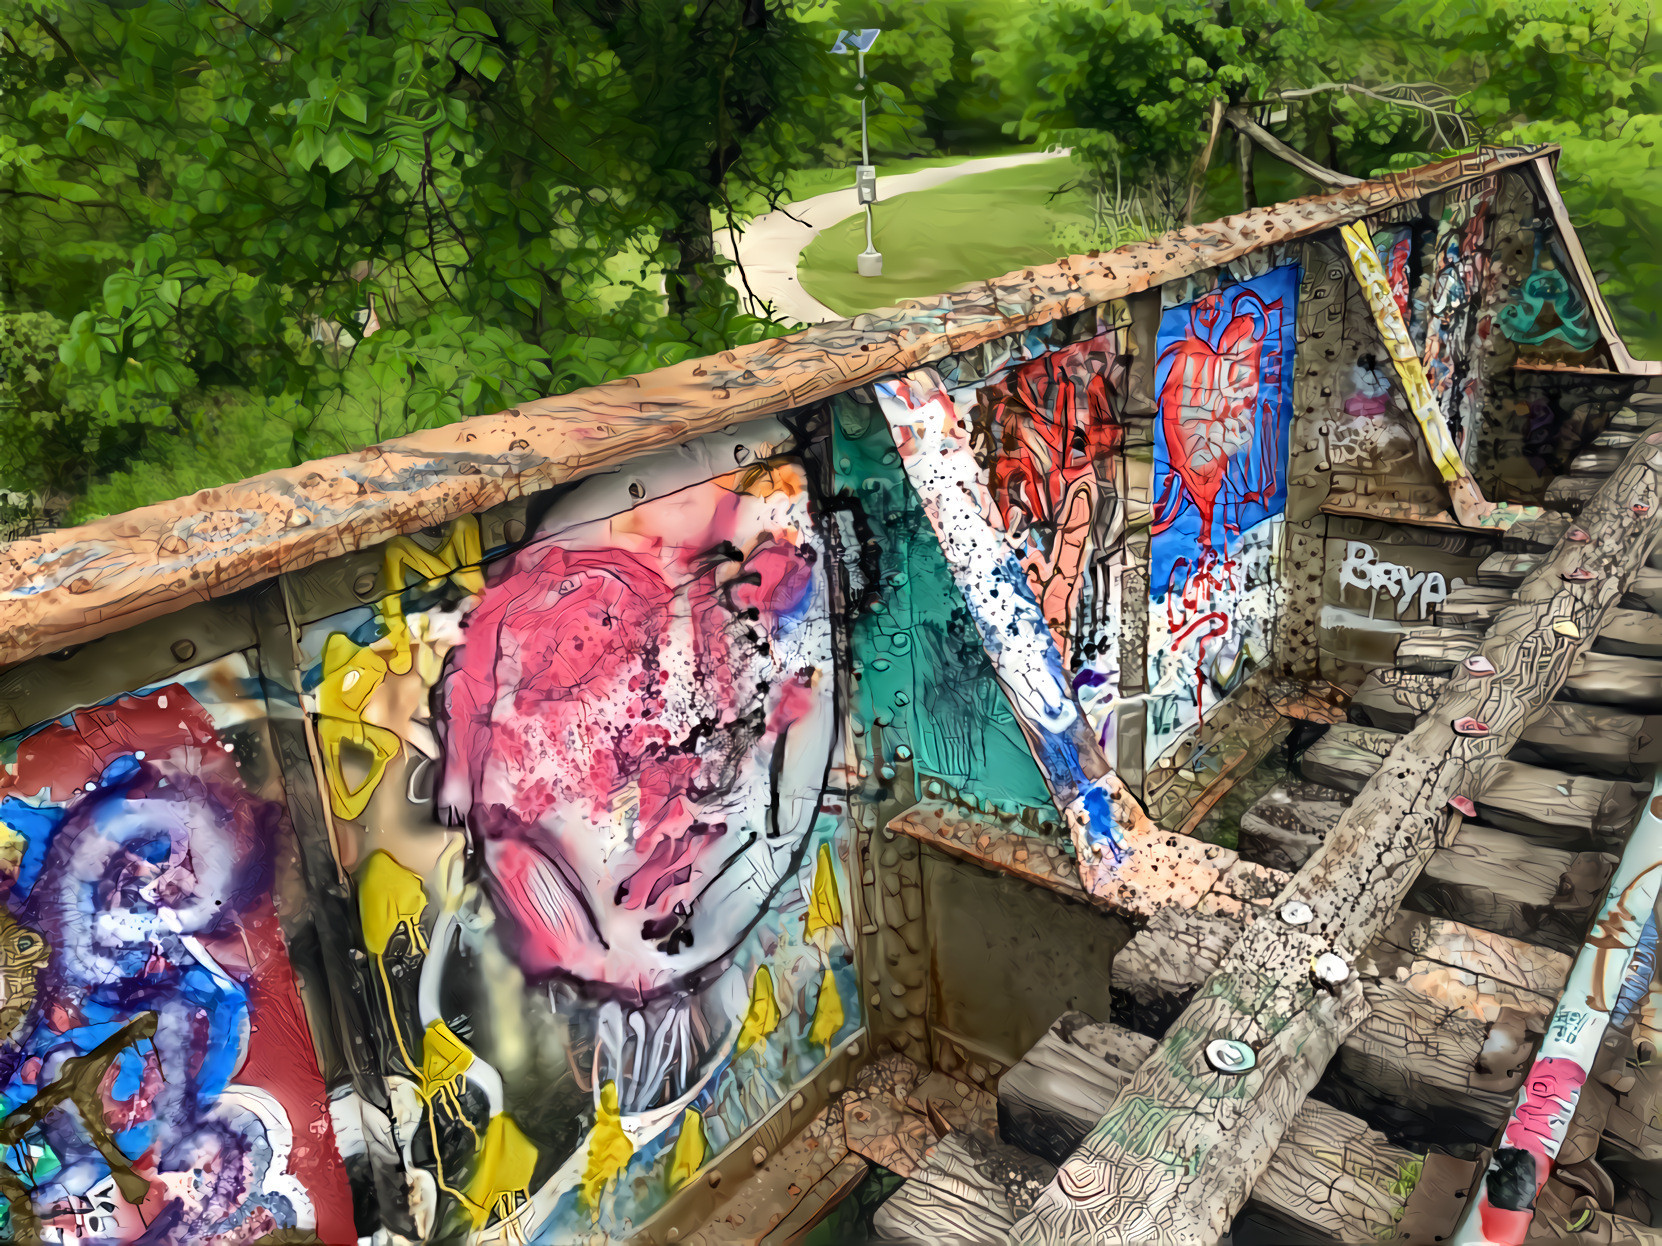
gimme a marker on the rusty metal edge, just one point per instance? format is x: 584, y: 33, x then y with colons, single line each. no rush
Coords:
x: 76, y: 584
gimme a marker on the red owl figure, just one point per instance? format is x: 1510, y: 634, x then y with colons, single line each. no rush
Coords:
x: 1208, y: 406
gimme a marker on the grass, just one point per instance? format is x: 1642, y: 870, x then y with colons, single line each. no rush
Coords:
x: 806, y: 183
x: 980, y: 226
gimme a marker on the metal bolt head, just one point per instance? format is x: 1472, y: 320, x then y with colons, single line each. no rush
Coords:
x: 1229, y: 1055
x: 1330, y: 967
x: 1297, y: 913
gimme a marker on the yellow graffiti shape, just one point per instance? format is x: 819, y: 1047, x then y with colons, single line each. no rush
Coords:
x: 1388, y: 318
x: 825, y: 906
x: 690, y: 1149
x: 351, y: 674
x: 762, y: 1017
x: 503, y: 1171
x: 828, y: 1013
x: 609, y: 1150
x: 458, y: 559
x: 444, y: 1057
x: 389, y: 896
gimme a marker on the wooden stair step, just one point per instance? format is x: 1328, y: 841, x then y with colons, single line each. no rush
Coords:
x: 1635, y: 417
x: 1599, y: 461
x: 1615, y: 679
x: 1061, y: 1088
x: 1555, y: 807
x: 1286, y: 824
x: 1346, y: 756
x: 1394, y: 699
x: 1570, y: 493
x: 1596, y: 738
x: 1537, y: 533
x: 1472, y: 605
x: 1501, y: 882
x: 1436, y: 650
x: 1600, y: 739
x: 1439, y: 989
x: 1548, y: 806
x: 1614, y: 439
x: 1507, y: 569
x: 969, y: 1191
x: 1635, y: 633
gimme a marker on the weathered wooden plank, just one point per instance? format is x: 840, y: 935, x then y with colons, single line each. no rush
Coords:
x: 1599, y: 461
x: 1394, y: 699
x: 1472, y: 606
x: 1569, y: 494
x: 1504, y: 883
x: 1538, y: 532
x: 1595, y: 738
x: 1331, y: 1173
x: 1436, y: 990
x: 1637, y: 633
x: 1545, y: 805
x: 68, y: 586
x: 1347, y: 756
x: 1507, y: 569
x: 1286, y: 824
x: 1616, y: 679
x: 968, y: 1191
x: 1436, y: 650
x: 1184, y: 1142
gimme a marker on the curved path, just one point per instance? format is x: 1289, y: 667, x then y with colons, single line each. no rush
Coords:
x: 771, y: 245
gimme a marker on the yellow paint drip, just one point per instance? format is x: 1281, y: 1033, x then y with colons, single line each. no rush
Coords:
x: 444, y: 1057
x: 609, y: 1150
x: 825, y: 906
x: 458, y: 559
x: 351, y: 674
x: 690, y: 1150
x: 762, y: 1017
x: 503, y: 1170
x: 389, y: 896
x: 828, y: 1013
x: 1388, y: 317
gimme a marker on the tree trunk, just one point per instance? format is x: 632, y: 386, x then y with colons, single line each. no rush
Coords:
x: 695, y: 245
x: 1249, y: 187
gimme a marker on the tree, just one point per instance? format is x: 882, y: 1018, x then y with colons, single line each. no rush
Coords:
x: 230, y: 190
x: 1131, y: 86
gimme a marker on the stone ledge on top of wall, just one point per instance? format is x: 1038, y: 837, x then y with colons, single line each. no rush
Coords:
x: 72, y: 585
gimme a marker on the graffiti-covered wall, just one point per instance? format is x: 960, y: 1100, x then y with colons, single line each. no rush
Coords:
x: 513, y: 879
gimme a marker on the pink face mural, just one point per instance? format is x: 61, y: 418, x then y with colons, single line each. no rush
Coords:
x: 637, y: 728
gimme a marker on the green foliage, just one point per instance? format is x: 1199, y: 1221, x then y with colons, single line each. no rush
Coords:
x: 1590, y: 78
x: 1130, y: 85
x: 226, y: 190
x: 52, y: 440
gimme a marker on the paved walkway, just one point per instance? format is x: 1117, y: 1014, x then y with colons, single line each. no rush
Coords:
x: 771, y: 245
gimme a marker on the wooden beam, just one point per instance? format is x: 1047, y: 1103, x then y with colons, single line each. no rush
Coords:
x: 1331, y: 1173
x: 1185, y: 1141
x: 1318, y: 173
x: 68, y: 586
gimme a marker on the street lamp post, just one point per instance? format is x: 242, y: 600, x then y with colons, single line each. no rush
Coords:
x: 869, y: 263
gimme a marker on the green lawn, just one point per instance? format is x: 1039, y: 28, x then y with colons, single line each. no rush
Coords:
x: 979, y: 226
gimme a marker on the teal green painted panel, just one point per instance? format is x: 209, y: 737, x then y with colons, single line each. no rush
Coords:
x: 925, y: 681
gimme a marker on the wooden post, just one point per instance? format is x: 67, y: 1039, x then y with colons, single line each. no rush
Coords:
x: 1177, y: 1154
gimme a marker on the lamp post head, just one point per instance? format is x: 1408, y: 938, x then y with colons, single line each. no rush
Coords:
x: 855, y: 40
